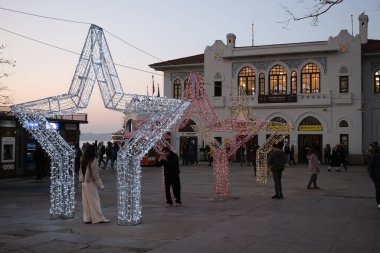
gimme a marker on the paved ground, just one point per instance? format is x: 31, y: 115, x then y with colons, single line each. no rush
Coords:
x: 341, y: 217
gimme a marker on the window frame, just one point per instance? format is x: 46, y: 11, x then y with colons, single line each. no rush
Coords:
x: 278, y: 78
x: 310, y: 78
x: 262, y: 83
x: 248, y: 76
x: 376, y: 83
x: 293, y: 82
x: 343, y: 81
x: 218, y: 88
x: 177, y: 88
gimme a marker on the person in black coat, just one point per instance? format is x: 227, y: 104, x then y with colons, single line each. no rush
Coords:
x: 170, y: 161
x: 374, y: 172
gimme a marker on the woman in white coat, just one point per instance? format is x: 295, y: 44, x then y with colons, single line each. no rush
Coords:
x: 90, y: 181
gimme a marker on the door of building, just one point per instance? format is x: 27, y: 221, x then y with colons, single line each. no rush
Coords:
x: 305, y: 141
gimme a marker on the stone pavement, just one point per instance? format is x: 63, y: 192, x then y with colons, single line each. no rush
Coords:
x: 340, y: 217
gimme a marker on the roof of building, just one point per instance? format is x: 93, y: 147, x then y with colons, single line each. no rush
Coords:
x: 371, y: 46
x: 194, y: 59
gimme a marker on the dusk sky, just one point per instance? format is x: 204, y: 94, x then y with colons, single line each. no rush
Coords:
x: 165, y: 29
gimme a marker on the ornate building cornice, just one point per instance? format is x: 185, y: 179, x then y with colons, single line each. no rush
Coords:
x: 182, y: 75
x: 291, y: 63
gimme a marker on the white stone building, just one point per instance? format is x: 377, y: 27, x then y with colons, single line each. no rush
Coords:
x: 328, y: 90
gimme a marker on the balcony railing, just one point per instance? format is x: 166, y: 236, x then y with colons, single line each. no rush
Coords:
x: 282, y: 98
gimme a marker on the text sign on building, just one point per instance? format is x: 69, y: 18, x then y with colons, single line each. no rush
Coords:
x: 310, y: 128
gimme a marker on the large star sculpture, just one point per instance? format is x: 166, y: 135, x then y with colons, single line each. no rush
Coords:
x: 96, y: 65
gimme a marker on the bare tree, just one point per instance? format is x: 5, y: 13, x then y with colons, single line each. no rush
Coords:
x: 5, y: 97
x: 317, y: 8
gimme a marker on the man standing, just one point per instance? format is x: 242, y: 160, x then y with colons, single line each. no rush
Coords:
x: 276, y: 162
x: 374, y: 171
x: 170, y: 161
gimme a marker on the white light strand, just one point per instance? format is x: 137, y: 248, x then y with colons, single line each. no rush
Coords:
x: 96, y: 64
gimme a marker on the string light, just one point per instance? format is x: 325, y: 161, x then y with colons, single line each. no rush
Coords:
x: 95, y: 64
x: 278, y: 131
x: 241, y: 119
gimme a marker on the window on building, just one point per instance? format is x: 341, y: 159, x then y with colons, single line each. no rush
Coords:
x: 129, y: 126
x: 343, y: 123
x: 310, y: 77
x: 344, y: 141
x: 343, y: 84
x: 247, y: 80
x: 262, y: 84
x: 177, y: 89
x: 278, y: 119
x: 217, y: 89
x: 377, y: 81
x: 277, y: 80
x: 294, y: 82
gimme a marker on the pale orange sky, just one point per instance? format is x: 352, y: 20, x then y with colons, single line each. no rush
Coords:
x: 167, y: 29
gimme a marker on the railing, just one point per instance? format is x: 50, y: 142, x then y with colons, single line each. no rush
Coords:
x: 283, y: 98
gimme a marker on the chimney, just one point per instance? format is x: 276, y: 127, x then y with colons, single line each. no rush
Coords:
x: 363, y: 28
x: 231, y: 39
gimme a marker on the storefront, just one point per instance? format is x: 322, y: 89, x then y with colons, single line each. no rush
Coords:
x: 18, y: 147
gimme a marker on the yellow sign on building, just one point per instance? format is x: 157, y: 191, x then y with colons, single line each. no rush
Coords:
x: 310, y: 128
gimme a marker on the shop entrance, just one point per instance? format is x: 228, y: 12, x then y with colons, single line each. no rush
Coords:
x: 305, y: 141
x: 187, y: 149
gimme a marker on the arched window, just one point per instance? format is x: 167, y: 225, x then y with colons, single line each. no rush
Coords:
x: 310, y: 124
x: 262, y: 84
x: 294, y: 82
x: 278, y: 119
x: 310, y: 77
x: 277, y: 80
x: 177, y: 89
x: 377, y: 81
x: 129, y: 126
x: 247, y: 80
x: 343, y: 123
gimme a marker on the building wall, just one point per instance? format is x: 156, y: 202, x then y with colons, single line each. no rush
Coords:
x: 371, y: 103
x: 338, y: 56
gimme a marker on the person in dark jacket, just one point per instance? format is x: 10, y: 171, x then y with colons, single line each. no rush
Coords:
x: 276, y: 162
x: 170, y: 161
x: 374, y: 172
x: 39, y: 157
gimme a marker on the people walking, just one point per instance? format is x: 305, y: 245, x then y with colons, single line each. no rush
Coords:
x: 276, y: 162
x: 334, y: 163
x: 39, y: 158
x: 292, y: 161
x: 327, y: 152
x: 287, y: 153
x: 90, y: 181
x: 170, y: 161
x: 314, y: 168
x: 343, y: 156
x: 108, y: 155
x: 374, y: 171
x: 101, y: 153
x: 78, y: 156
x: 211, y: 155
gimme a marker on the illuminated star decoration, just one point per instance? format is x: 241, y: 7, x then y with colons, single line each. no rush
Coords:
x: 238, y: 121
x: 96, y: 65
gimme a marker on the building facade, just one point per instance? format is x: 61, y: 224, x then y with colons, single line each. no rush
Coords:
x: 329, y: 91
x: 18, y: 147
